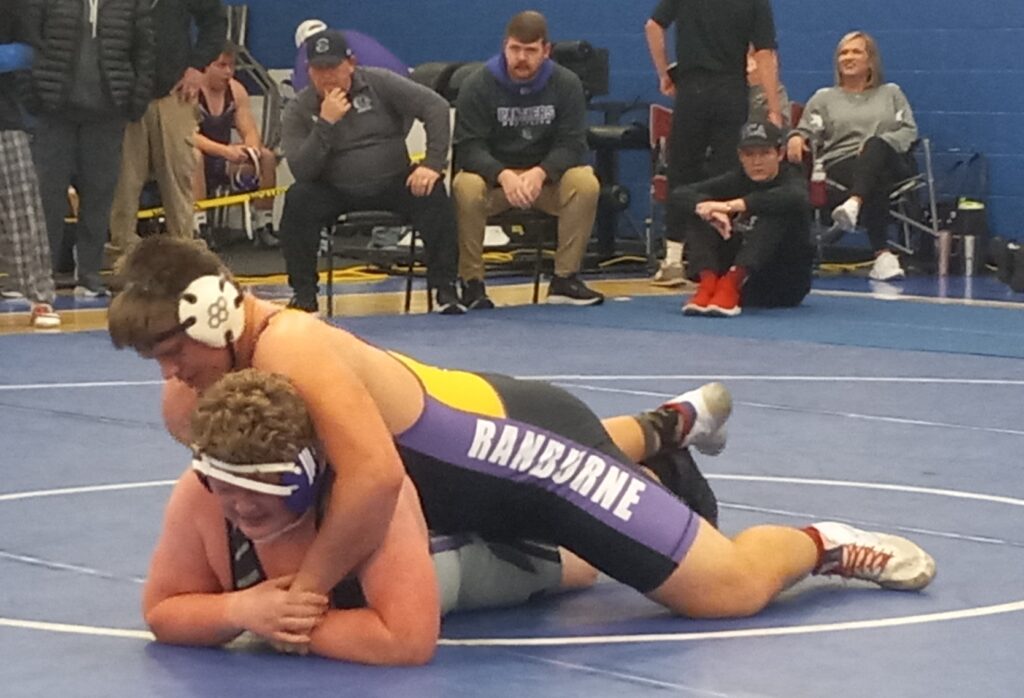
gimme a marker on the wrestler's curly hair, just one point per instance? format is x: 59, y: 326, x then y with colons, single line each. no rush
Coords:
x: 252, y: 416
x: 153, y: 276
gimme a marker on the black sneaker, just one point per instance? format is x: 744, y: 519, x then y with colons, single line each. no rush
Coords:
x: 307, y: 304
x: 446, y: 301
x: 474, y: 295
x: 569, y: 290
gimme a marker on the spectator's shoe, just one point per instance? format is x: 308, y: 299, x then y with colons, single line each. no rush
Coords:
x: 446, y: 301
x: 569, y: 290
x: 726, y: 301
x: 1001, y: 255
x: 886, y: 267
x: 83, y: 290
x: 1017, y: 277
x: 705, y: 410
x: 266, y: 237
x: 11, y: 295
x: 305, y: 303
x: 43, y: 317
x: 845, y: 214
x: 890, y: 561
x: 474, y: 295
x: 697, y: 304
x: 668, y: 275
x: 680, y: 475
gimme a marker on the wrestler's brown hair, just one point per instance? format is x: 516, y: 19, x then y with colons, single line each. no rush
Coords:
x: 252, y: 416
x: 875, y: 74
x: 527, y: 27
x: 154, y: 275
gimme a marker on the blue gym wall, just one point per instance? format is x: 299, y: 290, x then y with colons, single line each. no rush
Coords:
x: 957, y: 60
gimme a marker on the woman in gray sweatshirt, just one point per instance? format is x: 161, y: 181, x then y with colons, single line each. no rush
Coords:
x: 862, y: 130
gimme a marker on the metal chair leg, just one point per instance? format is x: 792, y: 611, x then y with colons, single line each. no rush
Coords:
x: 409, y: 273
x: 330, y: 271
x: 537, y: 259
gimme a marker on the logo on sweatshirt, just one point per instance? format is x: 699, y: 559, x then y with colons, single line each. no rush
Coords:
x: 518, y: 117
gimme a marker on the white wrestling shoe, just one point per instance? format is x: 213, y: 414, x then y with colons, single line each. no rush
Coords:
x: 712, y: 405
x: 890, y: 561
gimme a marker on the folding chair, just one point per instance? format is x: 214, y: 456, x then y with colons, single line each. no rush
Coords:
x: 346, y: 225
x: 544, y: 227
x: 913, y: 216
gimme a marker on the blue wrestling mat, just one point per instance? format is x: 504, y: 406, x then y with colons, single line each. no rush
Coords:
x: 890, y: 415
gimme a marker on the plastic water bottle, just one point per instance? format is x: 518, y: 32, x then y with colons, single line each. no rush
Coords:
x: 819, y: 189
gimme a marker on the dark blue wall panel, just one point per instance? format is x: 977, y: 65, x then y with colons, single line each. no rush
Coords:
x: 958, y: 62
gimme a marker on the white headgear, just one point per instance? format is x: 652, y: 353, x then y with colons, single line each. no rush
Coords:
x: 210, y: 311
x: 300, y: 478
x: 306, y: 29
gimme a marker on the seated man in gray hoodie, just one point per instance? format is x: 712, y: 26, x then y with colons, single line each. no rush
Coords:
x: 520, y: 141
x: 344, y: 139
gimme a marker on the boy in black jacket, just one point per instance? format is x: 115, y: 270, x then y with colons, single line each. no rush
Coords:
x: 748, y: 238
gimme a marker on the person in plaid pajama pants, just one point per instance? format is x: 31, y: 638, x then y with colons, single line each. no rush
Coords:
x: 23, y: 240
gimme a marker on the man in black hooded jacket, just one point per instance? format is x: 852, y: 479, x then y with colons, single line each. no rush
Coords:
x: 92, y: 73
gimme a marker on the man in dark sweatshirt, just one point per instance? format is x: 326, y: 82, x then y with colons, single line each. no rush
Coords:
x: 189, y: 34
x: 749, y: 230
x: 520, y: 141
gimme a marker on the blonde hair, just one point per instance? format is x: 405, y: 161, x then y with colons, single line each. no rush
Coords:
x: 252, y: 416
x: 155, y: 274
x: 875, y: 74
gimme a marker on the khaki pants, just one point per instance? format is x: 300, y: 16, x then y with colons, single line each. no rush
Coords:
x: 161, y: 144
x: 573, y: 199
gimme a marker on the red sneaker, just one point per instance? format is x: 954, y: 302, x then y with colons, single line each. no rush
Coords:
x: 726, y: 301
x: 698, y: 302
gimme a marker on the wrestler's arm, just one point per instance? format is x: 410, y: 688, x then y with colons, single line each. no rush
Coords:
x: 184, y: 602
x: 359, y: 446
x: 245, y: 122
x: 402, y: 619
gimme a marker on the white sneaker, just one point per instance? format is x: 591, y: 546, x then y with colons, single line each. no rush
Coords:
x: 43, y: 317
x: 890, y: 561
x: 9, y: 295
x: 886, y: 267
x: 669, y: 275
x: 712, y: 405
x: 845, y: 214
x: 83, y: 291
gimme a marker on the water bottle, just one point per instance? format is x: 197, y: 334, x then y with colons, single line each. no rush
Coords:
x: 819, y: 189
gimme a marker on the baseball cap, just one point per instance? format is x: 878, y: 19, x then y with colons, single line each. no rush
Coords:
x: 762, y: 133
x: 327, y: 48
x: 306, y: 29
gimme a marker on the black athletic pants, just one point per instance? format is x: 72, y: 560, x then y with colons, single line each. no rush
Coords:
x: 309, y: 206
x: 871, y: 175
x: 775, y: 252
x: 710, y: 108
